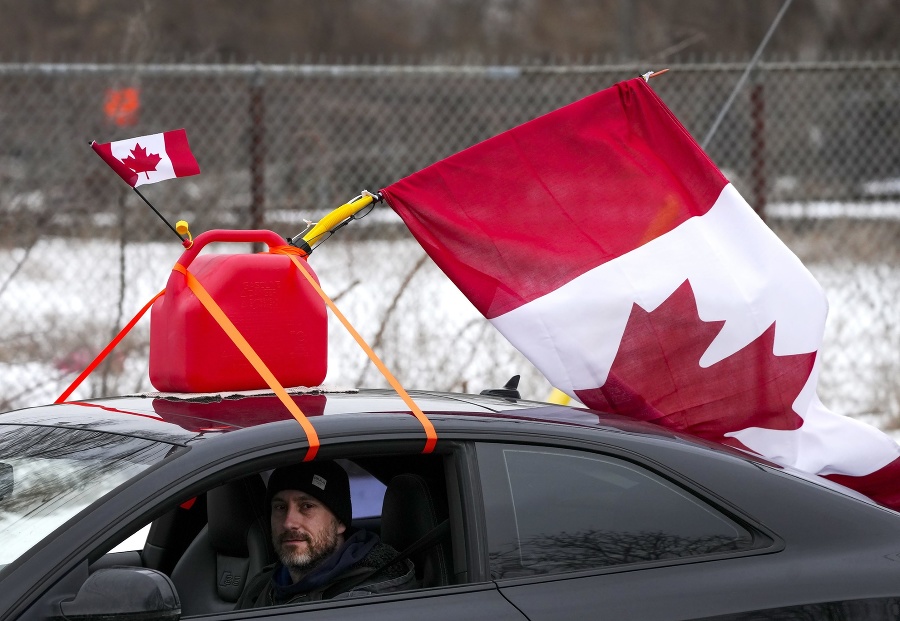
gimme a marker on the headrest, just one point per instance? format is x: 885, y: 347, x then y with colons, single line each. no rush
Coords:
x: 410, y: 510
x: 232, y: 509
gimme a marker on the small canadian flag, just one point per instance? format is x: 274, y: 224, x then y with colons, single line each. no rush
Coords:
x: 149, y: 159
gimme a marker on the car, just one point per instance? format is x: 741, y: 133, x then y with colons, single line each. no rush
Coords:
x: 151, y: 507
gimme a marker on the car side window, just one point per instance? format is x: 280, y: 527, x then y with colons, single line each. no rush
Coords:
x: 366, y: 491
x: 556, y: 510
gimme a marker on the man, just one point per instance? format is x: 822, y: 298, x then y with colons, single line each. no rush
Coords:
x: 320, y: 555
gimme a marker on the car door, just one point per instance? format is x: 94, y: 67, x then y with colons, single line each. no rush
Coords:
x: 474, y: 598
x: 576, y: 534
x: 205, y: 466
x: 602, y: 532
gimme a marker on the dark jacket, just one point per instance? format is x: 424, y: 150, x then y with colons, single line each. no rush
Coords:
x: 335, y: 577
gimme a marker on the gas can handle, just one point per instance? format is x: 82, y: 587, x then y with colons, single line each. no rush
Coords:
x: 271, y: 238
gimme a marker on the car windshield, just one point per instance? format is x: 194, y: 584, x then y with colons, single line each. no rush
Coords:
x: 48, y: 474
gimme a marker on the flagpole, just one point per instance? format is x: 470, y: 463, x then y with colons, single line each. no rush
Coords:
x: 753, y: 62
x: 161, y: 217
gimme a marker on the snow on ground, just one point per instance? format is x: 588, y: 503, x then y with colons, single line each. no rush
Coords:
x: 861, y: 349
x: 819, y: 210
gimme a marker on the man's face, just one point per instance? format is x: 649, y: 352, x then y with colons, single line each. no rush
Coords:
x: 304, y: 531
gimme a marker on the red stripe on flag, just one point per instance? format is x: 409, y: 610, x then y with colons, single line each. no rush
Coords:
x: 543, y: 198
x: 179, y: 152
x: 105, y: 151
x: 882, y: 486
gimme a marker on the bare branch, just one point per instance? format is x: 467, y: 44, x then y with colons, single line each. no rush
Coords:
x: 385, y: 319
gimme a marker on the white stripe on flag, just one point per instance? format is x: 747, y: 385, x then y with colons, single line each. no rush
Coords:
x: 827, y: 443
x: 154, y: 144
x: 739, y: 270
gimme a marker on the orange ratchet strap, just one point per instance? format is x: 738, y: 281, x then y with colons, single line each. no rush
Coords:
x: 252, y: 357
x: 430, y: 434
x: 216, y: 312
x: 103, y: 354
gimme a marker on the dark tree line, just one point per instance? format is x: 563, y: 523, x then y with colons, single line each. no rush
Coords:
x: 279, y: 31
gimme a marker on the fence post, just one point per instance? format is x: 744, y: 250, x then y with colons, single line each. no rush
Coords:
x: 257, y: 153
x: 758, y: 148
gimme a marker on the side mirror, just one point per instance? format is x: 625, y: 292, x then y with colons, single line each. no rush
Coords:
x: 123, y: 594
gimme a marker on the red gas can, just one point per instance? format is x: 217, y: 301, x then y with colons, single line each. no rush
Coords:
x: 266, y: 298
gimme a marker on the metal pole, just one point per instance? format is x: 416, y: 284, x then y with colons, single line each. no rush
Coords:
x: 750, y: 66
x: 758, y: 149
x: 257, y: 154
x: 161, y: 217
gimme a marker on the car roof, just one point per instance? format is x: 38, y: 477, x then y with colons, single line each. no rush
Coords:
x: 179, y: 418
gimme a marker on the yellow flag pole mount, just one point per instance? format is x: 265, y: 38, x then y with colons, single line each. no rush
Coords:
x: 559, y: 397
x: 317, y: 233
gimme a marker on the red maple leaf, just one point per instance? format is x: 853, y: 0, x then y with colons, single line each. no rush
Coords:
x: 656, y: 376
x: 140, y: 161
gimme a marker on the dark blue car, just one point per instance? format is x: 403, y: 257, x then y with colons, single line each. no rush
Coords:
x: 148, y: 507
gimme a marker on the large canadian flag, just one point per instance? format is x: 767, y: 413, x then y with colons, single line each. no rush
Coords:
x: 607, y: 247
x: 150, y: 159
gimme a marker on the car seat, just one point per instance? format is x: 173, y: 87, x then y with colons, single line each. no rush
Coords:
x: 228, y: 551
x: 412, y: 508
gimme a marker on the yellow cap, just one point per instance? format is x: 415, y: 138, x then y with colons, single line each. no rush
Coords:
x: 181, y: 227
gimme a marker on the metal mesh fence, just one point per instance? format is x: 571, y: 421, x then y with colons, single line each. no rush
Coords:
x: 814, y: 147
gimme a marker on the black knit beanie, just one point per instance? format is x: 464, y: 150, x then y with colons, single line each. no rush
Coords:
x: 325, y: 481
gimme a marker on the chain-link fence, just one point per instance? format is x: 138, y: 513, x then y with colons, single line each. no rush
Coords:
x: 814, y: 147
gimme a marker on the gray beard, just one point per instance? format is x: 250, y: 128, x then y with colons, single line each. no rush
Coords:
x: 317, y: 550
